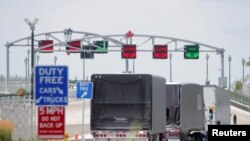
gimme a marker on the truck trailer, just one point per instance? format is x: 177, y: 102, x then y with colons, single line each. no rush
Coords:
x: 128, y: 107
x: 217, y: 105
x: 184, y: 112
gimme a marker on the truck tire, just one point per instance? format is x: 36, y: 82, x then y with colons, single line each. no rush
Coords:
x: 185, y: 137
x: 193, y: 137
x: 162, y: 137
x: 198, y: 137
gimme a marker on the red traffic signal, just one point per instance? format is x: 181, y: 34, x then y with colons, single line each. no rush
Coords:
x: 43, y: 43
x: 73, y: 46
x: 129, y: 51
x: 160, y: 52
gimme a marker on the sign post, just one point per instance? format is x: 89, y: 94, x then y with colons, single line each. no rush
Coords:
x: 84, y: 90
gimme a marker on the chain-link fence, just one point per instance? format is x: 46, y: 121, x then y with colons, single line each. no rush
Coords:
x: 14, y: 86
x: 20, y: 110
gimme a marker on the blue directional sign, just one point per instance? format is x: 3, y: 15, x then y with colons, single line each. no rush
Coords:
x: 51, y: 85
x: 84, y: 90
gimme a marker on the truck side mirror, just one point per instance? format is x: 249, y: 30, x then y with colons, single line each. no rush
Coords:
x: 217, y: 122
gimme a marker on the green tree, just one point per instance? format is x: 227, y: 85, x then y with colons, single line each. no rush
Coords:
x: 237, y: 85
x: 248, y: 62
x: 248, y: 65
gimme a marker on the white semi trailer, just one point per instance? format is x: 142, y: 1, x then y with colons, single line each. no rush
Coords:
x: 185, y: 112
x: 217, y: 105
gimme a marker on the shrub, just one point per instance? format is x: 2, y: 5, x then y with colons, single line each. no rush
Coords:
x: 6, y: 128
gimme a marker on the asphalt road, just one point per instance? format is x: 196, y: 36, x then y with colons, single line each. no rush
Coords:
x: 73, y: 117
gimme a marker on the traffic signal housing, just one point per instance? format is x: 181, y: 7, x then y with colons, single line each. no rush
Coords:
x: 129, y: 51
x: 191, y: 51
x: 73, y: 46
x: 160, y: 52
x: 43, y: 43
x: 102, y: 46
x: 88, y: 52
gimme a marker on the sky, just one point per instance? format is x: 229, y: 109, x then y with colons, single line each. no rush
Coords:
x: 221, y: 23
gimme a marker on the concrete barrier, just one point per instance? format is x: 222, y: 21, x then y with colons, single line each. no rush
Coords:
x: 241, y: 106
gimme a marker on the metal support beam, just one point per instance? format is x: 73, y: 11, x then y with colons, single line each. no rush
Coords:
x: 222, y: 63
x: 126, y: 61
x: 222, y: 79
x: 133, y: 66
x: 32, y: 62
x: 229, y: 74
x: 170, y: 66
x: 207, y: 81
x: 83, y: 101
x: 8, y: 67
x: 127, y: 66
x: 116, y: 43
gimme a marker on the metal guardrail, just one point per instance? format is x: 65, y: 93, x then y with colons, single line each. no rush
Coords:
x: 240, y: 101
x: 243, y: 99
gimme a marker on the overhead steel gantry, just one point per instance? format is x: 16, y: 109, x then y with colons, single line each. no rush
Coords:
x: 61, y: 38
x: 168, y: 41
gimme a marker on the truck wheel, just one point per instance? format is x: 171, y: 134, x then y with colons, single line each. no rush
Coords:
x: 184, y: 137
x: 198, y: 137
x: 162, y: 137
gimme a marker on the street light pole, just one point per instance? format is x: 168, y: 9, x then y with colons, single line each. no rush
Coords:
x: 26, y: 73
x: 28, y: 52
x: 170, y: 63
x: 55, y: 59
x: 207, y: 82
x: 37, y: 59
x: 32, y: 28
x: 83, y: 101
x: 243, y: 67
x: 229, y: 74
